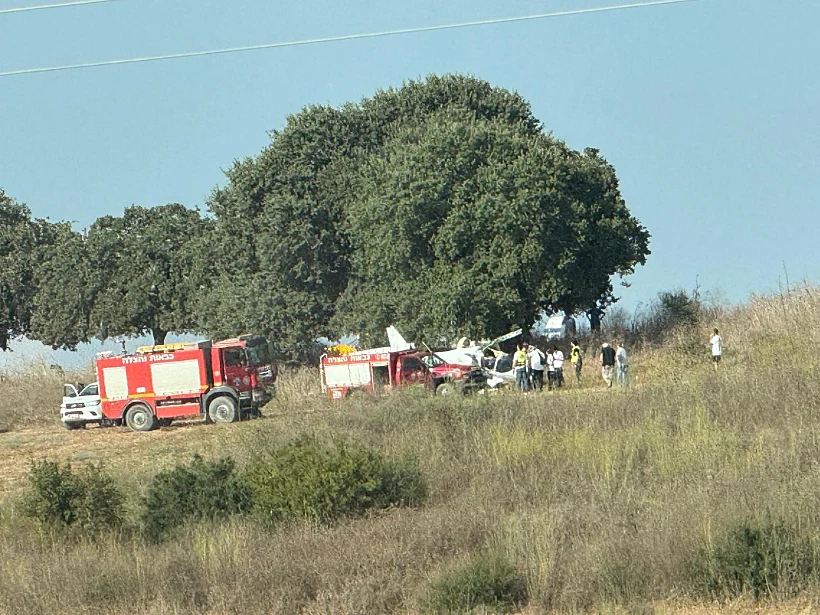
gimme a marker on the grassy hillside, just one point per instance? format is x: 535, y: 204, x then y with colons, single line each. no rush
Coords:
x: 695, y: 485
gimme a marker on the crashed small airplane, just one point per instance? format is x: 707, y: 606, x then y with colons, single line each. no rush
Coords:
x: 498, y: 369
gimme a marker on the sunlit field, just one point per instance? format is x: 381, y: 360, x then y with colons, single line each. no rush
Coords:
x: 695, y: 490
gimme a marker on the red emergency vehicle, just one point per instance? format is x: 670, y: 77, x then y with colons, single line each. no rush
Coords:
x: 220, y: 381
x: 381, y: 369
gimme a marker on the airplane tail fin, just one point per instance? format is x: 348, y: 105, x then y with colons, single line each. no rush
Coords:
x: 397, y: 341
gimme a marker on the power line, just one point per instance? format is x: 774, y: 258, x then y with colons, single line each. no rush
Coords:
x: 336, y: 39
x: 43, y: 7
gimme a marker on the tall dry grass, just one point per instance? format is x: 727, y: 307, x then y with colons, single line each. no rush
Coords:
x: 605, y: 500
x: 31, y: 395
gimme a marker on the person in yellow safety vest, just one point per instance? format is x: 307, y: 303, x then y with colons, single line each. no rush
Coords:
x: 520, y: 361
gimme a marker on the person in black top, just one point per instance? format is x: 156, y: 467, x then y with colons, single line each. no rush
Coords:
x: 607, y: 363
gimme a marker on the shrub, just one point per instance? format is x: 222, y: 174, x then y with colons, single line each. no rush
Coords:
x: 678, y: 308
x: 488, y: 581
x: 305, y: 479
x: 207, y: 490
x: 88, y: 502
x: 759, y: 558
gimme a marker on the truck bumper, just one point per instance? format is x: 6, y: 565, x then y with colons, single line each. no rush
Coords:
x: 81, y: 415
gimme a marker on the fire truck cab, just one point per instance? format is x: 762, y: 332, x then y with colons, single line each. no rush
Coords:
x: 219, y: 381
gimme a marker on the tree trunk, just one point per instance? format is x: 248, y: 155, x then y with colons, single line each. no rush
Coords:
x: 159, y: 336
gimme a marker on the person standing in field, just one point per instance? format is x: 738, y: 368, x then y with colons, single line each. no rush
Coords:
x: 550, y: 370
x: 537, y: 359
x: 558, y: 364
x: 520, y: 361
x: 622, y: 362
x: 577, y: 360
x: 717, y: 348
x: 607, y: 364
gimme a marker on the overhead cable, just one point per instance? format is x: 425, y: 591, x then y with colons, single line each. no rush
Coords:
x: 336, y: 39
x: 59, y: 5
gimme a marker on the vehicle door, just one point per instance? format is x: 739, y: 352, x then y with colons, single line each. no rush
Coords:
x: 412, y: 371
x: 236, y: 368
x: 71, y: 397
x: 92, y: 390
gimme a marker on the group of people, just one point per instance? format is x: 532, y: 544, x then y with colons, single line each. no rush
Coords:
x: 530, y: 363
x: 614, y: 365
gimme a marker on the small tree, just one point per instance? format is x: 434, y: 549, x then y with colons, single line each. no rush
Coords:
x: 88, y: 501
x: 678, y: 308
x: 307, y: 480
x: 208, y: 490
x: 487, y: 581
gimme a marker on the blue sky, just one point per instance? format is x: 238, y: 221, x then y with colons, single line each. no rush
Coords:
x: 709, y: 110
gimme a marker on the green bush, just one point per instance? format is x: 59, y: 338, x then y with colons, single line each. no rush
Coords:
x: 758, y: 558
x: 201, y: 490
x: 88, y: 502
x: 488, y: 581
x: 305, y: 479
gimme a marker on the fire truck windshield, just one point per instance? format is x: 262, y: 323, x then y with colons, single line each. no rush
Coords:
x: 259, y: 355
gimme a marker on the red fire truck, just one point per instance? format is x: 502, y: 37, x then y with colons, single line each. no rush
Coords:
x: 220, y: 381
x: 382, y: 369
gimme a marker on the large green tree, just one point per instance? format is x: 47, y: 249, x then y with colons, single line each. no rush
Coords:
x: 25, y: 244
x: 281, y: 220
x: 131, y: 275
x: 442, y: 207
x: 470, y: 226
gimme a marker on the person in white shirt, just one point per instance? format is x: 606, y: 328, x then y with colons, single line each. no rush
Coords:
x: 622, y: 363
x: 537, y: 359
x: 550, y: 370
x: 558, y: 364
x: 717, y: 348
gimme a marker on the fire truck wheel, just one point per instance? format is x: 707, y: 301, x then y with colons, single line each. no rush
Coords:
x: 140, y: 418
x: 445, y: 389
x: 223, y: 410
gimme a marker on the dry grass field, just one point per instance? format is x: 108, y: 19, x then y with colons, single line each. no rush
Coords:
x: 604, y: 501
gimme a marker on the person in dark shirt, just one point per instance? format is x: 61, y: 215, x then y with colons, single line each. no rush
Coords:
x: 607, y: 364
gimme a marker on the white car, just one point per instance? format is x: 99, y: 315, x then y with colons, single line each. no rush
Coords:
x: 80, y: 407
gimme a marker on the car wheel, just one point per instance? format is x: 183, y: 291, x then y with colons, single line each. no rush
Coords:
x: 223, y: 410
x: 72, y: 425
x: 140, y: 418
x: 446, y: 389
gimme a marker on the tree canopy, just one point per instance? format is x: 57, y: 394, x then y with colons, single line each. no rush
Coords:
x: 25, y: 244
x: 441, y: 207
x: 132, y: 275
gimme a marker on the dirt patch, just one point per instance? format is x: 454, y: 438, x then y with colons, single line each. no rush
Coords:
x: 118, y: 448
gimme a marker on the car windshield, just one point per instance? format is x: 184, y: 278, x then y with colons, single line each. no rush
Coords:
x: 432, y: 360
x: 91, y: 389
x: 259, y: 355
x: 234, y: 357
